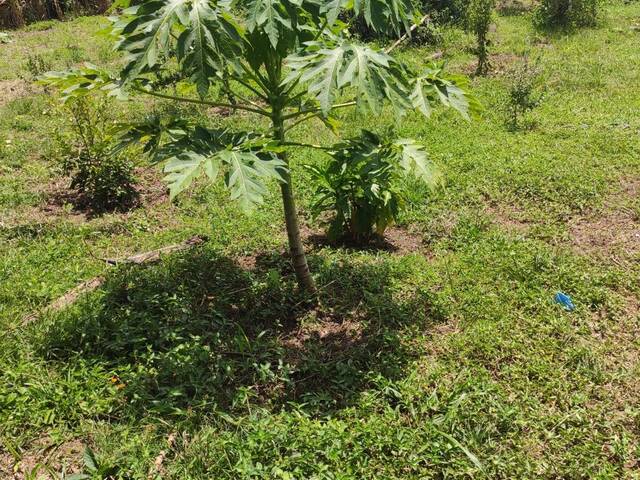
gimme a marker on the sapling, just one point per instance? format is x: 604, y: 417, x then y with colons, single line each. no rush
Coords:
x: 479, y: 17
x: 287, y: 61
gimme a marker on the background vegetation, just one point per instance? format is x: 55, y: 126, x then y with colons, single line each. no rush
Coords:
x: 17, y: 13
x: 439, y: 355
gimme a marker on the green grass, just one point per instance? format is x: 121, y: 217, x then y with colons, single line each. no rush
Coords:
x: 451, y: 364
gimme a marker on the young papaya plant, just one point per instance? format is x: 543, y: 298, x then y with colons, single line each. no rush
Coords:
x: 289, y: 61
x: 360, y: 184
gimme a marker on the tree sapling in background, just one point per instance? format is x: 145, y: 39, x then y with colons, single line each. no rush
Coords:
x: 101, y: 174
x: 524, y: 91
x: 479, y: 17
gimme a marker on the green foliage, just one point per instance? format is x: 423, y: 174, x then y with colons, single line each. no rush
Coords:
x: 373, y: 75
x: 361, y: 185
x: 204, y: 43
x: 463, y: 339
x: 523, y: 90
x: 103, y: 178
x: 211, y: 44
x: 447, y: 11
x: 567, y: 13
x: 80, y: 82
x: 36, y: 65
x: 479, y: 17
x: 245, y: 159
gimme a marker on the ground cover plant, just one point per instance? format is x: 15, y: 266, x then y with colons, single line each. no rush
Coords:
x: 440, y: 354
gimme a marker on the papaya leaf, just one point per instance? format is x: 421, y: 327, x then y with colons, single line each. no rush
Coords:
x: 147, y: 31
x: 434, y: 87
x: 374, y: 75
x: 79, y: 82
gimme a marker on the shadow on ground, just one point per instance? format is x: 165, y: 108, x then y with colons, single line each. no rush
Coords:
x: 198, y: 331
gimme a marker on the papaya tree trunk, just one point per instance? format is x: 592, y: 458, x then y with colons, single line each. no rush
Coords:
x: 296, y: 249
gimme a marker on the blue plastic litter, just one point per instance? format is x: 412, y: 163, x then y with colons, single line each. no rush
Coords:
x: 564, y: 300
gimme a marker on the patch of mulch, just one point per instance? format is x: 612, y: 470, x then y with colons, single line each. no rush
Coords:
x: 44, y: 451
x: 614, y: 232
x: 11, y: 90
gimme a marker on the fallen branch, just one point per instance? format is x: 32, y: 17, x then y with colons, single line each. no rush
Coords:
x: 90, y: 285
x: 154, y: 255
x: 424, y: 19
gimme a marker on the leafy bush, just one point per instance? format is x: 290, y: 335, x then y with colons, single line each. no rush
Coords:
x: 360, y: 184
x: 36, y: 65
x: 524, y: 91
x: 103, y: 177
x: 567, y: 13
x: 479, y: 16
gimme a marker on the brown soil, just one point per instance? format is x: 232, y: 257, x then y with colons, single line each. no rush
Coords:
x: 396, y: 240
x: 43, y: 452
x: 62, y: 203
x: 13, y: 89
x: 332, y: 336
x: 612, y: 233
x: 499, y: 64
x: 509, y: 217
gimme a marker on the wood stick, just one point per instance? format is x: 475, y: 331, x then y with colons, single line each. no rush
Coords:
x: 406, y: 35
x: 89, y: 285
x: 154, y: 255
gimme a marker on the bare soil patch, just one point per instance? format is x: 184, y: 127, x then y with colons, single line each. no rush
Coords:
x: 499, y: 64
x: 40, y: 454
x: 509, y: 217
x: 12, y: 90
x: 614, y: 232
x: 334, y: 336
x: 396, y: 240
x: 59, y: 202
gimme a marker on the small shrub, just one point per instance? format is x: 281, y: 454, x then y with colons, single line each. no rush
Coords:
x: 103, y: 179
x: 566, y: 13
x: 36, y: 65
x: 429, y: 33
x: 360, y: 185
x: 479, y: 16
x: 524, y: 91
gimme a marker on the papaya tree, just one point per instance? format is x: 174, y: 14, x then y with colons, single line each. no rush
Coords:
x: 289, y: 61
